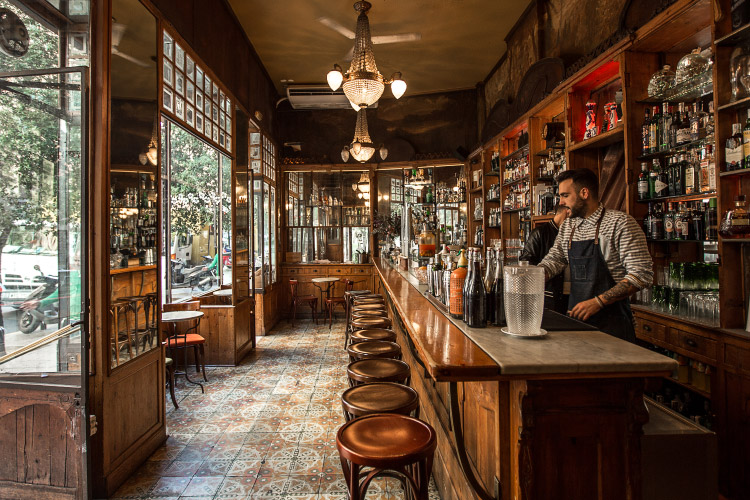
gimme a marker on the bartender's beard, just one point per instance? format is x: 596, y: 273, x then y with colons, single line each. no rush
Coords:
x: 578, y: 209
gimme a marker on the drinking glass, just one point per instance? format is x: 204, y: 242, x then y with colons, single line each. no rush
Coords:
x: 675, y: 274
x: 685, y: 303
x: 674, y: 300
x: 658, y: 297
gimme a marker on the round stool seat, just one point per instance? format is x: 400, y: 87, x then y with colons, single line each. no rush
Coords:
x: 374, y: 334
x: 355, y: 293
x: 369, y: 307
x: 367, y: 371
x: 385, y: 440
x: 358, y: 301
x: 379, y: 397
x: 168, y: 362
x: 374, y: 349
x: 370, y: 322
x: 370, y: 296
x: 369, y: 314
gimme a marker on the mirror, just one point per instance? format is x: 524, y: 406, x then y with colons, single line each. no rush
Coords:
x: 134, y: 194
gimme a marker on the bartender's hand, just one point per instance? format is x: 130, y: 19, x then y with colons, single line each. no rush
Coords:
x: 584, y: 310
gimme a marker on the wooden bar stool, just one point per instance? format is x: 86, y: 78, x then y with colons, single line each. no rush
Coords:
x: 379, y: 397
x: 349, y: 296
x: 369, y: 314
x: 373, y: 334
x: 169, y: 364
x: 370, y: 322
x: 358, y: 301
x: 368, y: 371
x: 120, y: 309
x: 374, y: 349
x: 394, y: 446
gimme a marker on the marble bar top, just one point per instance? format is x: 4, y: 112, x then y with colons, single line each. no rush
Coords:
x: 559, y: 354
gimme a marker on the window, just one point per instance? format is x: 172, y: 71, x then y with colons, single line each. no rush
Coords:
x: 197, y: 212
x: 192, y: 98
x: 263, y: 166
x: 328, y: 216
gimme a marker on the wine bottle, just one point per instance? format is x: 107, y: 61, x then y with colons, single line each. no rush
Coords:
x: 467, y: 282
x: 475, y: 306
x: 733, y: 149
x: 643, y: 182
x: 645, y: 133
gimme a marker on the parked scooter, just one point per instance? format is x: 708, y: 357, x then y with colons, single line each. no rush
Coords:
x: 194, y: 277
x: 37, y: 311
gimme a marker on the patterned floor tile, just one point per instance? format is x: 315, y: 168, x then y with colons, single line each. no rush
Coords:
x: 264, y: 430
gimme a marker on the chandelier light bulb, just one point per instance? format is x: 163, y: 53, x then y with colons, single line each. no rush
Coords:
x: 367, y: 204
x: 335, y: 77
x: 356, y: 147
x: 359, y: 195
x: 152, y: 154
x: 383, y: 152
x: 398, y: 86
x: 345, y: 154
x: 354, y: 106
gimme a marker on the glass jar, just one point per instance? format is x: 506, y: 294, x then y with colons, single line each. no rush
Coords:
x: 690, y: 66
x: 736, y: 223
x: 661, y: 81
x: 426, y: 242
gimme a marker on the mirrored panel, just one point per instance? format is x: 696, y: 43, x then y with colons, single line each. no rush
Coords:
x: 134, y: 183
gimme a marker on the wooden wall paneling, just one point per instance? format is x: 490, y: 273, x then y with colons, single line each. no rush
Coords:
x: 243, y: 330
x: 480, y: 420
x: 217, y: 327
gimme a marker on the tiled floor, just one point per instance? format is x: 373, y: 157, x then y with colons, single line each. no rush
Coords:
x: 266, y: 428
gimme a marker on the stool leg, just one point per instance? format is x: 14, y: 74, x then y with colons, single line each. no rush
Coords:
x: 170, y: 378
x: 116, y: 334
x: 203, y: 361
x: 351, y: 475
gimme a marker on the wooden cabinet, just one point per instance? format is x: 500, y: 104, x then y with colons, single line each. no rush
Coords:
x: 361, y: 274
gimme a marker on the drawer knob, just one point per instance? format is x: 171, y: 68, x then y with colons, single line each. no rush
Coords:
x: 691, y: 342
x: 646, y: 328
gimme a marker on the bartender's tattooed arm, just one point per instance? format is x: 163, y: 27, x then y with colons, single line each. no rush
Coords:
x: 620, y: 291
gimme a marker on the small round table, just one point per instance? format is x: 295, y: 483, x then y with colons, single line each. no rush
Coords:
x: 224, y: 294
x: 328, y: 282
x: 179, y: 317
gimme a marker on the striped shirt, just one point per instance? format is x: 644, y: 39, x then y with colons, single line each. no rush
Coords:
x: 622, y: 241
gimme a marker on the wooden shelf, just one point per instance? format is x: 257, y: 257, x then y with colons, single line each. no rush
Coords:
x: 735, y: 240
x: 600, y: 141
x: 133, y: 269
x: 492, y: 173
x: 546, y: 151
x: 493, y: 200
x: 524, y: 178
x: 690, y: 387
x: 476, y: 189
x: 543, y: 217
x: 514, y: 210
x: 671, y: 151
x: 739, y: 103
x: 681, y: 241
x: 684, y: 197
x: 739, y: 35
x: 731, y: 173
x: 518, y: 152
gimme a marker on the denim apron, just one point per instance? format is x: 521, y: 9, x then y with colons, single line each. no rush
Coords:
x: 590, y: 277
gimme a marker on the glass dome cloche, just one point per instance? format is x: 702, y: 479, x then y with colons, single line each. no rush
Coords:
x: 661, y: 81
x: 690, y: 66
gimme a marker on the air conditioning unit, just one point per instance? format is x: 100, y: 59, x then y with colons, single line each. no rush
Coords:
x: 317, y: 97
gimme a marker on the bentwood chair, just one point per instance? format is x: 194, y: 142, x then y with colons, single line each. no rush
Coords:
x: 332, y: 302
x: 184, y: 335
x: 310, y: 300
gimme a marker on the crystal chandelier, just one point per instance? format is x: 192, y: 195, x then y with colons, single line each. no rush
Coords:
x: 362, y: 148
x: 363, y: 83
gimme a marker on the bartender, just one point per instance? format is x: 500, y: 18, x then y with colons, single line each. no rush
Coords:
x: 607, y: 254
x: 537, y: 246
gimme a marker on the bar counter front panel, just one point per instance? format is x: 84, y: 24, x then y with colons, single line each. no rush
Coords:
x: 557, y: 417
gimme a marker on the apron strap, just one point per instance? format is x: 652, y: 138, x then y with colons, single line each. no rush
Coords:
x: 598, y: 224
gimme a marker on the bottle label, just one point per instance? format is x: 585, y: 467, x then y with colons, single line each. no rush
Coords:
x: 659, y: 187
x: 689, y: 180
x: 683, y: 135
x: 733, y: 156
x: 668, y: 226
x: 643, y: 189
x: 741, y: 222
x: 712, y: 176
x: 746, y: 143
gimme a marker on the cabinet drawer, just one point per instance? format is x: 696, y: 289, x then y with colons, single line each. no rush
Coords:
x: 693, y: 343
x: 651, y: 329
x: 737, y: 357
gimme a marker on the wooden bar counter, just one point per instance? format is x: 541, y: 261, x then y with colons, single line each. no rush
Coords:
x: 554, y: 417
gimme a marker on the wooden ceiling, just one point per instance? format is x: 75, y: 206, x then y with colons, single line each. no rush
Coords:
x: 461, y: 40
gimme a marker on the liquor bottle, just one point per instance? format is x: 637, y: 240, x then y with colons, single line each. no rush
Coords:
x: 703, y: 170
x: 675, y: 127
x: 688, y: 177
x: 475, y: 305
x: 662, y: 182
x: 654, y: 130
x: 657, y: 223
x: 469, y: 258
x: 646, y: 133
x: 458, y: 279
x: 643, y: 185
x: 678, y: 175
x: 669, y: 222
x: 680, y: 221
x: 670, y: 170
x: 428, y: 197
x: 682, y: 135
x: 695, y: 123
x: 498, y: 293
x: 647, y: 221
x: 653, y: 176
x: 489, y: 279
x: 746, y: 141
x: 733, y: 149
x: 712, y: 221
x: 736, y: 223
x: 699, y: 222
x: 664, y: 126
x: 689, y: 226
